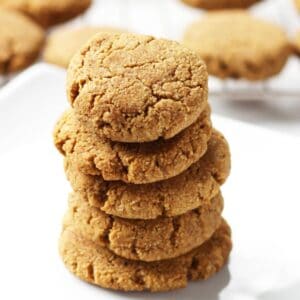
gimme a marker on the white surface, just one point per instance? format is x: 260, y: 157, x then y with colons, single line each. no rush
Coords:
x: 261, y: 203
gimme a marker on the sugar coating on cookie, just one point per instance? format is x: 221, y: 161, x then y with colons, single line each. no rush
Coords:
x: 48, y: 12
x: 130, y: 162
x: 135, y: 88
x: 20, y: 41
x: 171, y: 197
x: 62, y: 44
x: 237, y: 45
x: 146, y: 240
x: 100, y: 266
x: 220, y: 4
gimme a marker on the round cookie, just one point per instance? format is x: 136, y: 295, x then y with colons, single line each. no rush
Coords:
x: 171, y: 197
x: 132, y: 163
x: 135, y: 88
x: 20, y: 41
x: 100, y: 266
x: 150, y: 240
x: 220, y: 4
x: 48, y: 12
x: 237, y: 45
x: 61, y: 45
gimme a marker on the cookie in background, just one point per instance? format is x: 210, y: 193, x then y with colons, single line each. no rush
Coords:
x: 220, y: 4
x: 20, y: 41
x: 62, y: 44
x: 297, y: 3
x: 235, y: 44
x: 49, y: 12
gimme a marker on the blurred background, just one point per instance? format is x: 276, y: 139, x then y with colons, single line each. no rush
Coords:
x: 273, y: 103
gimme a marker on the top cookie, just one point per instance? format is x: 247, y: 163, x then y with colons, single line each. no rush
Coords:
x: 134, y: 88
x: 220, y: 4
x: 61, y: 45
x: 20, y: 41
x: 49, y: 12
x: 235, y: 44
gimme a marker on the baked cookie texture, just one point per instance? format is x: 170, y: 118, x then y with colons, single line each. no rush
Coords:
x: 172, y: 197
x: 145, y: 164
x: 100, y: 266
x: 235, y: 44
x: 149, y: 240
x: 134, y: 88
x: 62, y: 44
x: 20, y: 41
x: 48, y: 12
x: 132, y: 162
x: 220, y: 4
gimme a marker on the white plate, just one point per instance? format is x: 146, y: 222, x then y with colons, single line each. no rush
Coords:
x: 262, y: 200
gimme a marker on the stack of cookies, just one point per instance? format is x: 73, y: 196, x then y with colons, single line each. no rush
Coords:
x: 145, y: 164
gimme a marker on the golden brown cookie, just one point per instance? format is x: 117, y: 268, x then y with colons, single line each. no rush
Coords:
x: 147, y: 240
x: 48, y: 12
x: 61, y: 45
x: 133, y: 163
x: 235, y: 44
x: 220, y: 4
x: 135, y: 88
x: 100, y: 266
x: 171, y: 197
x: 20, y: 41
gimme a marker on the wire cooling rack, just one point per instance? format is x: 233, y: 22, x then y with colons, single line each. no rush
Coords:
x: 169, y: 18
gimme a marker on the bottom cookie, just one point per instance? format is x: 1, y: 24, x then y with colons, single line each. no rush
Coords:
x: 100, y: 266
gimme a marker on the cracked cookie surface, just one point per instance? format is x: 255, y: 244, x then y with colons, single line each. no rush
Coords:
x: 20, y: 41
x: 48, y: 12
x: 100, y: 266
x: 146, y: 240
x: 135, y: 88
x: 130, y: 162
x: 61, y: 45
x: 220, y: 4
x: 171, y: 197
x: 235, y: 44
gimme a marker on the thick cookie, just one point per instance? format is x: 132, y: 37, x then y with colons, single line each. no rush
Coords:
x: 235, y: 44
x: 149, y: 240
x: 134, y: 88
x: 171, y: 197
x: 133, y: 163
x: 20, y: 41
x: 48, y: 12
x: 220, y: 4
x: 100, y: 266
x: 61, y: 45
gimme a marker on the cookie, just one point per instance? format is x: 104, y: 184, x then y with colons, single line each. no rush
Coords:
x: 220, y: 4
x: 130, y: 162
x: 235, y: 44
x: 61, y: 45
x: 100, y: 266
x: 171, y: 197
x: 20, y: 41
x: 135, y: 88
x: 149, y: 240
x: 48, y: 12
